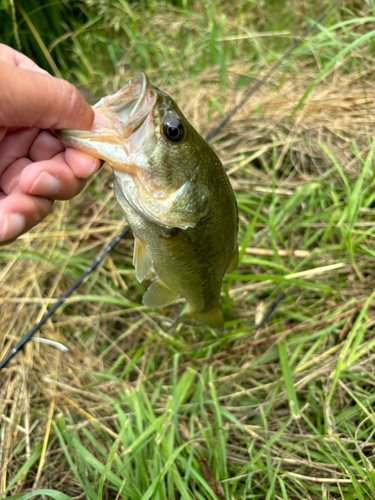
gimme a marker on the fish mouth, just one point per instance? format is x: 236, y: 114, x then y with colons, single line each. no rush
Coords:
x: 120, y: 116
x: 124, y: 139
x: 129, y: 107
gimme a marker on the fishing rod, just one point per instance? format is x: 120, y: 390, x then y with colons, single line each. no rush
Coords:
x: 113, y: 243
x: 69, y: 291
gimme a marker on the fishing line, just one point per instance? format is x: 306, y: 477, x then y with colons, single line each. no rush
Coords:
x: 210, y: 136
x: 66, y: 294
x: 268, y: 314
x: 270, y: 72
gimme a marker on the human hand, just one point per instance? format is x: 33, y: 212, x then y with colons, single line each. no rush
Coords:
x: 35, y: 167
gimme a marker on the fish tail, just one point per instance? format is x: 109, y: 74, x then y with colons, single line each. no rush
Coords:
x: 213, y: 318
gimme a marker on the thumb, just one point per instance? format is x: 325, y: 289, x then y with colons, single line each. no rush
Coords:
x: 33, y: 99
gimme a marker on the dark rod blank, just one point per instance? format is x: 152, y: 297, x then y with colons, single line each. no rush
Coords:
x: 66, y: 294
x: 271, y: 71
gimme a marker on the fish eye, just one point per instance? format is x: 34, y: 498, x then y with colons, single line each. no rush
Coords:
x: 173, y: 130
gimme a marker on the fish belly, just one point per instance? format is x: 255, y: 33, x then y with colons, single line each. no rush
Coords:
x: 182, y: 259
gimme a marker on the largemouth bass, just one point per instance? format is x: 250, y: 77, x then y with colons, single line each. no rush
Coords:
x: 174, y: 193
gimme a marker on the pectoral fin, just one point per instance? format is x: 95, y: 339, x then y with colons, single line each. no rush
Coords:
x: 180, y: 207
x: 233, y: 263
x: 141, y: 259
x: 159, y: 295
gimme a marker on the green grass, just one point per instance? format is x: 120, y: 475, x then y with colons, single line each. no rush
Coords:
x: 137, y: 411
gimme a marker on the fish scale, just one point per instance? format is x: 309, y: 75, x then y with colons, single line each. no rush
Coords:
x: 175, y: 195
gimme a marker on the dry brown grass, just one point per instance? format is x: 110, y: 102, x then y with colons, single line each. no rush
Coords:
x: 41, y: 383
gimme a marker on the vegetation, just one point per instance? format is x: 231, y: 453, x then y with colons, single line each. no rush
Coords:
x: 135, y: 410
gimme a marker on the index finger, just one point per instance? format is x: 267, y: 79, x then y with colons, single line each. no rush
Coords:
x: 15, y: 58
x: 32, y: 99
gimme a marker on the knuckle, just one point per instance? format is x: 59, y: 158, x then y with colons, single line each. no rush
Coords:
x: 72, y: 99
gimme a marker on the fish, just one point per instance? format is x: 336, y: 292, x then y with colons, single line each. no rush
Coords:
x: 174, y: 193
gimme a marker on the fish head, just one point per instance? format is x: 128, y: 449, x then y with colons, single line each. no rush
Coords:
x: 154, y: 151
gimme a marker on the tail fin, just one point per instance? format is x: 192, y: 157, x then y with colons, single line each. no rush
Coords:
x: 213, y: 318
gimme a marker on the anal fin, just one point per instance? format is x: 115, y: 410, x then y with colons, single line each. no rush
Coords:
x: 141, y: 259
x: 159, y: 295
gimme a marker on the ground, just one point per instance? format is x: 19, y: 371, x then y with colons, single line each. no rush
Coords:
x: 137, y: 411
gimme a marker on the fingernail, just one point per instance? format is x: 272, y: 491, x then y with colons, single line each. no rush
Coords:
x: 45, y: 185
x: 11, y: 226
x: 94, y: 167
